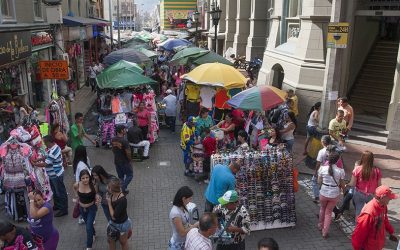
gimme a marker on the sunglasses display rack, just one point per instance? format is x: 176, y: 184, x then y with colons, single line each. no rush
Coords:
x: 265, y: 186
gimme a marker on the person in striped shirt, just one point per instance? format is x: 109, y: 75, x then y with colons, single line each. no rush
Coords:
x: 53, y: 165
x: 198, y: 238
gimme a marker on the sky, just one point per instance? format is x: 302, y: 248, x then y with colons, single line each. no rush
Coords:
x: 148, y: 5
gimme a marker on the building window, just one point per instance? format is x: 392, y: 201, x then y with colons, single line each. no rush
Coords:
x: 294, y: 8
x: 37, y: 8
x: 7, y: 10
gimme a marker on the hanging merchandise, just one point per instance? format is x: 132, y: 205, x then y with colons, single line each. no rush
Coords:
x: 265, y: 186
x: 57, y: 114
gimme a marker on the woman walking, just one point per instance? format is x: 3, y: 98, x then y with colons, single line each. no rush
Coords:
x: 101, y: 179
x: 331, y: 179
x: 81, y: 161
x: 179, y: 218
x: 365, y: 178
x: 85, y: 194
x: 41, y: 220
x: 120, y: 226
x: 144, y: 119
x: 312, y: 125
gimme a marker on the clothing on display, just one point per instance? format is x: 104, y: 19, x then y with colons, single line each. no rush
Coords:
x: 207, y: 94
x: 57, y: 114
x: 265, y: 186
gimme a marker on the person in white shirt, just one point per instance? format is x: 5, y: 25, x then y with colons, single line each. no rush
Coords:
x: 170, y: 109
x: 321, y: 158
x: 312, y: 125
x: 92, y: 75
x: 331, y: 179
x: 198, y: 238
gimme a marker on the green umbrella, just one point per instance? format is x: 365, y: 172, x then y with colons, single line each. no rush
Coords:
x: 182, y: 57
x: 122, y: 78
x: 123, y: 65
x: 149, y: 53
x: 211, y: 58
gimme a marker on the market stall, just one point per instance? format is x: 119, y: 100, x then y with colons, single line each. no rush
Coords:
x: 122, y: 87
x: 265, y: 186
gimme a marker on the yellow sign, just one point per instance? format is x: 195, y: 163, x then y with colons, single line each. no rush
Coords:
x: 337, y: 35
x: 53, y: 69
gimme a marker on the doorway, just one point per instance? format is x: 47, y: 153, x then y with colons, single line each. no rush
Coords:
x: 277, y: 76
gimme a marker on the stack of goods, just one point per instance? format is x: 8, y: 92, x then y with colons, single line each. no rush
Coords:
x: 265, y: 186
x: 56, y: 113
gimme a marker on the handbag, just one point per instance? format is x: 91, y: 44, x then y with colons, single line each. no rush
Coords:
x: 76, y: 212
x: 113, y: 232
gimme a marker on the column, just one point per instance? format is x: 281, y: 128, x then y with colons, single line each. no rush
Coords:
x: 230, y: 23
x: 242, y: 27
x: 221, y: 27
x: 258, y: 29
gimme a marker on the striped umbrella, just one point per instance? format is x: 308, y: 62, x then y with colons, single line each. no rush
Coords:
x: 258, y: 98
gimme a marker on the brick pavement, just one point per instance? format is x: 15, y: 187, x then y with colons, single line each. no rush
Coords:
x: 151, y: 192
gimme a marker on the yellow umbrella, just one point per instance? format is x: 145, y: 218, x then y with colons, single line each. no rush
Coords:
x: 216, y: 75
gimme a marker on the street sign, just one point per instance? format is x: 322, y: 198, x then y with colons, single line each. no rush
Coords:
x: 53, y: 69
x: 337, y: 35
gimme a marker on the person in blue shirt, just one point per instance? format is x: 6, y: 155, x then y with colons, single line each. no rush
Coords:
x: 222, y: 179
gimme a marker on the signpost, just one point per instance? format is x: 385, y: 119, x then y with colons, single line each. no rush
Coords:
x: 337, y: 35
x: 53, y: 70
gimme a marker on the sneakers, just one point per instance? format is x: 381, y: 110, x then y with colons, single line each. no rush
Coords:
x: 81, y: 221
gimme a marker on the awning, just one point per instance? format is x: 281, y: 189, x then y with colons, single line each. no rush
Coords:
x: 82, y: 21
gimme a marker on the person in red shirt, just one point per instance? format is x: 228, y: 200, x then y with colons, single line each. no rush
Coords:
x: 209, y: 146
x: 373, y: 221
x: 238, y: 120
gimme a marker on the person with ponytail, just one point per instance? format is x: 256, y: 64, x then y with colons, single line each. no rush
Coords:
x: 312, y: 125
x: 331, y: 180
x: 365, y: 178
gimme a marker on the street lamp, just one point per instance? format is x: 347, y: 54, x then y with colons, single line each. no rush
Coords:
x: 215, y: 16
x: 196, y: 16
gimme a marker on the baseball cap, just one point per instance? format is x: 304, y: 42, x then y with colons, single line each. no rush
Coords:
x: 168, y: 91
x: 228, y: 197
x: 384, y: 190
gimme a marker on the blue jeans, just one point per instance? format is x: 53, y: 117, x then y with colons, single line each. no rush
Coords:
x: 125, y: 174
x: 360, y: 199
x: 106, y: 211
x: 315, y: 187
x: 289, y: 144
x: 89, y: 214
x: 59, y: 193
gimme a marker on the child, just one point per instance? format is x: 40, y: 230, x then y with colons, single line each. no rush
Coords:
x: 209, y: 147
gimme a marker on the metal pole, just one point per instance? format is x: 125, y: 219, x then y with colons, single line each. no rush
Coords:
x: 215, y: 38
x: 119, y: 29
x: 130, y: 13
x: 112, y: 23
x: 195, y: 35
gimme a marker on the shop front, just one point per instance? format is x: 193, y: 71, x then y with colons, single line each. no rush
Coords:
x: 42, y: 44
x: 15, y: 50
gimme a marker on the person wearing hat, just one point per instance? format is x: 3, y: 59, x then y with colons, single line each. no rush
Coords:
x: 187, y: 140
x: 373, y: 221
x: 170, y: 109
x: 122, y: 157
x: 236, y: 220
x: 9, y: 235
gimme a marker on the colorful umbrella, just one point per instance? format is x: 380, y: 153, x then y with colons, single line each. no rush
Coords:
x: 216, y: 75
x: 130, y: 55
x: 258, y: 98
x: 149, y: 53
x: 211, y: 57
x: 124, y: 65
x: 182, y: 57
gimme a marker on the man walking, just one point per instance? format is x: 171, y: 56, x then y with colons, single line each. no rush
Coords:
x: 78, y: 132
x: 187, y: 140
x: 135, y: 138
x: 53, y: 165
x: 222, y: 179
x: 236, y: 220
x: 198, y: 238
x: 92, y: 76
x: 170, y: 109
x: 337, y: 128
x: 373, y: 221
x: 122, y: 157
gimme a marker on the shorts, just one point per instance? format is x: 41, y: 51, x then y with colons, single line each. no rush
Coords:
x: 123, y: 228
x: 312, y: 131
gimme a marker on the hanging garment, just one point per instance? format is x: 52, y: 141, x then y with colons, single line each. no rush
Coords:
x: 116, y: 105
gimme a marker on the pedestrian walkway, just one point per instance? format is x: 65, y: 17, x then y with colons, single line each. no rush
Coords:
x: 83, y: 100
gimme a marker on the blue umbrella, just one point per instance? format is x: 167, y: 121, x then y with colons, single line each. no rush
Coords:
x: 171, y: 44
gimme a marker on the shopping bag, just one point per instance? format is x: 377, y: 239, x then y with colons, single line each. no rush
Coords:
x: 314, y: 148
x: 76, y: 212
x: 295, y: 179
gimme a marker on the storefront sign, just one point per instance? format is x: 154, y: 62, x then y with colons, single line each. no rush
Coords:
x: 337, y: 35
x: 14, y: 46
x: 53, y: 69
x: 41, y: 39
